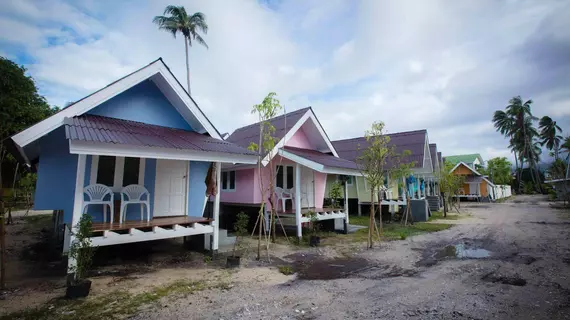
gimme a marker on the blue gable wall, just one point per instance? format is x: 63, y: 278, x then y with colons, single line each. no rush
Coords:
x: 55, y: 188
x: 197, y: 192
x: 143, y: 103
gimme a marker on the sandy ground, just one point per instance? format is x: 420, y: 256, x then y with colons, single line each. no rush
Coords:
x: 525, y: 276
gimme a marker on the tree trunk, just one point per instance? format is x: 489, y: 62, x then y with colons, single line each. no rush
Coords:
x: 517, y: 166
x: 371, y: 220
x: 380, y: 210
x: 444, y: 204
x: 520, y: 176
x: 187, y: 65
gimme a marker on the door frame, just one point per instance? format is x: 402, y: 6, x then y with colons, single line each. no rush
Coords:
x: 187, y: 186
x: 312, y: 187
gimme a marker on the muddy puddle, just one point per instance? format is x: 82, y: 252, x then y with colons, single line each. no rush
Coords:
x: 466, y: 249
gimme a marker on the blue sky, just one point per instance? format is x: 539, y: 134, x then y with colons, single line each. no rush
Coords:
x: 440, y: 65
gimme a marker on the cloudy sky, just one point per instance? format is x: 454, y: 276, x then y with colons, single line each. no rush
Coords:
x: 440, y: 65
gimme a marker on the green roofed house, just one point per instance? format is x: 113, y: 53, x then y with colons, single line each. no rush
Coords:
x: 473, y: 160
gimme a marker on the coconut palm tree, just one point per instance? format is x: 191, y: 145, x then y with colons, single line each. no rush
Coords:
x: 516, y: 123
x: 176, y: 20
x: 549, y: 134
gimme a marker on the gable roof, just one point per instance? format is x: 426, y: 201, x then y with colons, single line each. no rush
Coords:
x: 286, y: 126
x: 466, y: 158
x: 245, y: 135
x: 414, y: 141
x: 472, y: 170
x: 157, y: 71
x: 434, y: 159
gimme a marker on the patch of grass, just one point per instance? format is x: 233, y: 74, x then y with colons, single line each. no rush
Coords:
x: 38, y: 219
x: 359, y: 220
x: 114, y: 305
x: 403, y: 236
x: 286, y: 270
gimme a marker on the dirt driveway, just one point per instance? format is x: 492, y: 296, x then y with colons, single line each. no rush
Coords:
x: 509, y: 261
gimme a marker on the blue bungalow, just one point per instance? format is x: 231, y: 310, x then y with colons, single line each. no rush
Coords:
x: 136, y: 155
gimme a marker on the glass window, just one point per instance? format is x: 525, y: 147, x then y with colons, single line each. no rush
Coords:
x: 106, y: 170
x: 290, y: 182
x: 232, y: 180
x: 131, y: 173
x: 224, y: 181
x: 279, y: 178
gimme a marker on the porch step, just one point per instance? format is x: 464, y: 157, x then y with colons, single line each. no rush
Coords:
x: 224, y: 239
x: 434, y: 203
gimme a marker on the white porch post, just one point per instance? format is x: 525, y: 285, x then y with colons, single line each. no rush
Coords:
x: 77, y: 206
x: 298, y: 200
x: 346, y: 205
x: 216, y: 224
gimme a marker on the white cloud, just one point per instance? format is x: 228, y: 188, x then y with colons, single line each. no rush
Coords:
x: 412, y: 64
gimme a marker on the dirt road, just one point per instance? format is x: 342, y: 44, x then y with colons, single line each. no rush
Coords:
x: 509, y: 261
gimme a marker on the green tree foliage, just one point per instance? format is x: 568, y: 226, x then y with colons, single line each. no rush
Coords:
x: 449, y: 185
x: 516, y: 122
x: 499, y: 170
x: 377, y: 161
x: 176, y: 20
x: 20, y: 105
x: 240, y: 228
x: 335, y: 193
x: 549, y: 134
x: 557, y: 170
x: 267, y: 109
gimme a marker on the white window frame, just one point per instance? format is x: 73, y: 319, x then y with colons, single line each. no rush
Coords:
x: 284, y: 174
x: 119, y: 172
x: 228, y: 181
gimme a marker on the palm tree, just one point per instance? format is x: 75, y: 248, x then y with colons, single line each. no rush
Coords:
x: 549, y: 134
x: 175, y: 20
x: 516, y: 122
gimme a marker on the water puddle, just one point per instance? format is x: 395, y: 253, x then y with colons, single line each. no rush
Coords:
x: 462, y: 251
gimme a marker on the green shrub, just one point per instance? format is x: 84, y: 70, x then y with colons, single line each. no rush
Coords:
x: 403, y: 235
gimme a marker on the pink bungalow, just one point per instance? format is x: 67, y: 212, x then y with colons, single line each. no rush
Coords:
x: 303, y: 157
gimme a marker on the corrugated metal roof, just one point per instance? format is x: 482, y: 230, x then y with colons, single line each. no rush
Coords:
x: 117, y: 131
x: 325, y: 159
x: 414, y: 141
x: 244, y: 136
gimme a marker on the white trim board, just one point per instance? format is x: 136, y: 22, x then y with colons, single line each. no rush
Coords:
x: 157, y: 71
x: 308, y: 115
x: 317, y: 166
x: 109, y: 149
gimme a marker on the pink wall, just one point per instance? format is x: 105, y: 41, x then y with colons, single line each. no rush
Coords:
x: 299, y: 140
x: 244, y: 192
x: 320, y: 184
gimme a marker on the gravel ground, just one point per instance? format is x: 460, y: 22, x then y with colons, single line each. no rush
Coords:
x: 515, y: 265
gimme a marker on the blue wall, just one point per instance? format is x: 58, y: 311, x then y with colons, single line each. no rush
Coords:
x: 144, y: 103
x: 55, y: 188
x: 197, y: 192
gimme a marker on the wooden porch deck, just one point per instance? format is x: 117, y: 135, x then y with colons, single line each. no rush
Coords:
x: 155, y: 222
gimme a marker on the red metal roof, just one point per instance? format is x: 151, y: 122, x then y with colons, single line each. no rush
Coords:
x: 325, y: 159
x: 117, y: 131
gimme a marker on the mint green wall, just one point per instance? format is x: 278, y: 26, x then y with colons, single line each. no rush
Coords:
x: 331, y: 178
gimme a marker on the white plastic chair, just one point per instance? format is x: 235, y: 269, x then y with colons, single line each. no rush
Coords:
x: 96, y: 194
x: 134, y: 194
x: 284, y: 195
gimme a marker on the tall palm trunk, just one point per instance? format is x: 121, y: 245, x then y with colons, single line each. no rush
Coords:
x: 517, y: 167
x: 187, y: 65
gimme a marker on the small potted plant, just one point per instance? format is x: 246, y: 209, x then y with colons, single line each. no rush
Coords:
x: 314, y: 240
x: 240, y: 228
x: 82, y: 252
